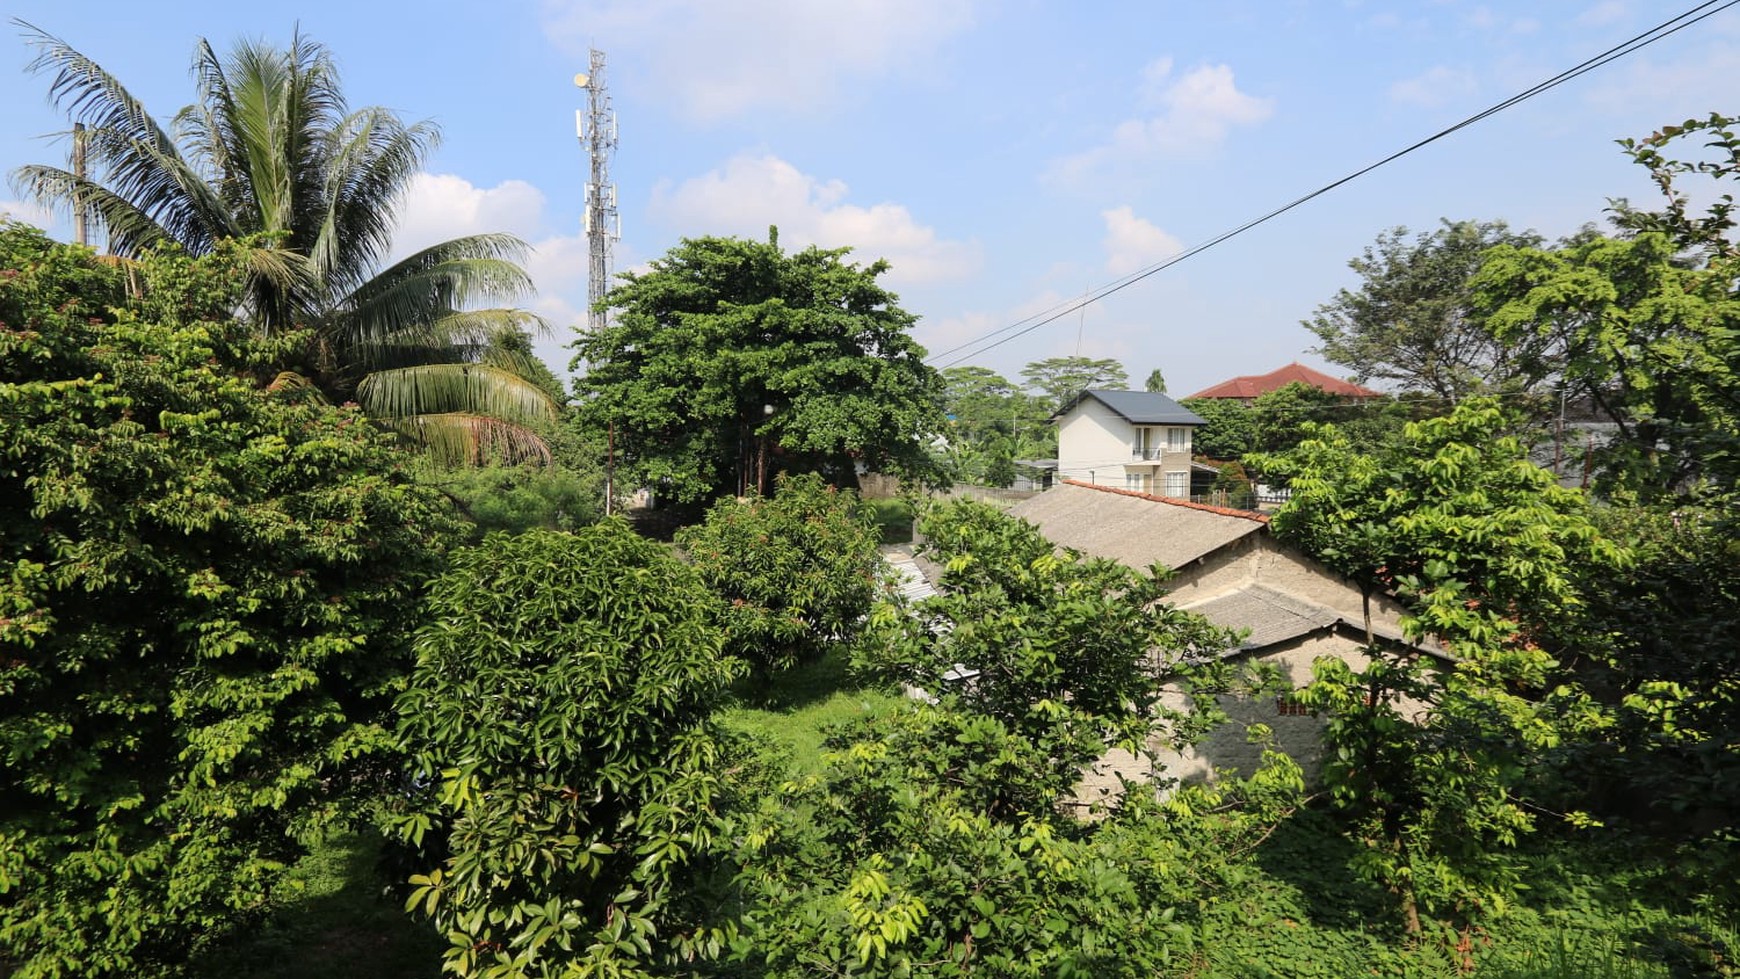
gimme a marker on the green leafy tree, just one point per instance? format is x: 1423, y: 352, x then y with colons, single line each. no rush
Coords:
x: 271, y: 149
x: 1486, y: 551
x: 558, y: 718
x: 1413, y: 321
x: 886, y: 864
x: 1648, y: 341
x: 1642, y: 327
x: 981, y: 407
x: 1231, y: 430
x: 1709, y: 236
x: 1070, y: 655
x: 1156, y: 383
x: 795, y: 573
x: 1279, y: 420
x: 730, y: 360
x: 515, y: 499
x: 933, y: 842
x: 204, y: 600
x: 1058, y: 379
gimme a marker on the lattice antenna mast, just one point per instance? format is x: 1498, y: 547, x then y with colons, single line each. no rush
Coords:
x: 596, y: 127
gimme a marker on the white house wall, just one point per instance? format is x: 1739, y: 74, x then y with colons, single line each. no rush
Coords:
x: 1094, y: 445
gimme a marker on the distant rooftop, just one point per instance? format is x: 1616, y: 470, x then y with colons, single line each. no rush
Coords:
x: 1138, y: 407
x: 1252, y: 386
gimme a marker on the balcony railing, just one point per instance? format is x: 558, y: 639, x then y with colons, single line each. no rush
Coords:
x: 1147, y: 453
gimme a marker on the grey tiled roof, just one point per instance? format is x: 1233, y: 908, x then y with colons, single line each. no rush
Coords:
x: 1139, y: 407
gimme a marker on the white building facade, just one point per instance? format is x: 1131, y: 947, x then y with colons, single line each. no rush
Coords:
x: 1133, y: 440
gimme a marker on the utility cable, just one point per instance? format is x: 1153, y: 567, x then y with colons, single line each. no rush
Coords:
x: 1028, y: 324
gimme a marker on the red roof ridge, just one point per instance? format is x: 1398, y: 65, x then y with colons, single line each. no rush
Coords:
x: 1249, y: 386
x: 1261, y: 518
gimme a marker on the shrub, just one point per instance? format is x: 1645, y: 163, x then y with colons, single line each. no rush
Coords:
x: 204, y: 589
x: 795, y: 572
x: 565, y: 764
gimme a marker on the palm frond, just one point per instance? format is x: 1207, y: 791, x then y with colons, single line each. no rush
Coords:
x: 374, y: 157
x: 130, y: 230
x: 431, y: 286
x: 460, y: 439
x: 453, y: 338
x: 434, y: 389
x: 138, y: 158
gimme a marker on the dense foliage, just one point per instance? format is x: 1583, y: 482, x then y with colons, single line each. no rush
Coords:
x: 564, y: 762
x: 204, y: 590
x: 794, y: 573
x: 1427, y: 758
x: 1062, y: 656
x: 1414, y: 320
x: 1276, y: 421
x: 936, y: 840
x: 730, y: 361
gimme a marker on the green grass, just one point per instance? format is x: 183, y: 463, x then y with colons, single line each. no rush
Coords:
x: 796, y: 708
x: 894, y: 518
x: 331, y: 920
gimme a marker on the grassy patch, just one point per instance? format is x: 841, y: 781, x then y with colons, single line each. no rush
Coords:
x: 894, y: 519
x: 331, y: 920
x: 796, y: 708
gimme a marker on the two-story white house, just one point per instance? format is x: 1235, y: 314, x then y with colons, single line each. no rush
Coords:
x: 1132, y: 440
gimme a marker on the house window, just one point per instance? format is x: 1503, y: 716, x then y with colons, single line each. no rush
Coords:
x: 1178, y: 485
x: 1286, y: 706
x: 1177, y: 439
x: 1138, y: 482
x: 1144, y: 446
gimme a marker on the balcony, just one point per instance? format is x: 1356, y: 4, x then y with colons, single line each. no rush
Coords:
x: 1146, y: 453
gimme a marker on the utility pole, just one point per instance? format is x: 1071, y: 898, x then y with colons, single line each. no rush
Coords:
x: 595, y: 126
x: 81, y: 228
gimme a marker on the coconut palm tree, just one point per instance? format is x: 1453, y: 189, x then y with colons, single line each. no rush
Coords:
x: 271, y: 149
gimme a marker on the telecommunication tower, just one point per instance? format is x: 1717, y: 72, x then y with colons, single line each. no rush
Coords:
x: 596, y: 127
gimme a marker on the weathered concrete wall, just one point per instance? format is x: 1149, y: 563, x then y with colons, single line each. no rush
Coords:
x: 1228, y: 746
x: 1259, y: 559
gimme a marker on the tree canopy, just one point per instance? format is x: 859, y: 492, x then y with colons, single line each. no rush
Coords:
x: 1412, y: 319
x: 1488, y: 554
x: 205, y: 589
x: 1059, y: 379
x: 271, y: 149
x: 558, y: 719
x: 730, y: 360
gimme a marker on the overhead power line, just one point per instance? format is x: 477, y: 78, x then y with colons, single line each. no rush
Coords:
x: 996, y: 338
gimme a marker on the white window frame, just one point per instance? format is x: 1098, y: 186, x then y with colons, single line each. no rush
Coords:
x: 1178, y: 485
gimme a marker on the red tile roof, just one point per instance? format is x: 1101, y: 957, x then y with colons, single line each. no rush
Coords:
x: 1252, y: 386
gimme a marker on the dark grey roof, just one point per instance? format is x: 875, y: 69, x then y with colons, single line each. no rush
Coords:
x: 1139, y: 407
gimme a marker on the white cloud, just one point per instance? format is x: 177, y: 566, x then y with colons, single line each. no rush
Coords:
x: 1667, y: 89
x: 1437, y: 86
x: 722, y: 59
x: 751, y: 192
x: 1132, y: 243
x: 1602, y: 14
x: 28, y: 213
x: 440, y: 207
x: 1193, y: 115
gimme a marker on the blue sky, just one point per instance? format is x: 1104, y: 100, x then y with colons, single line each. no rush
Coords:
x: 1004, y: 156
